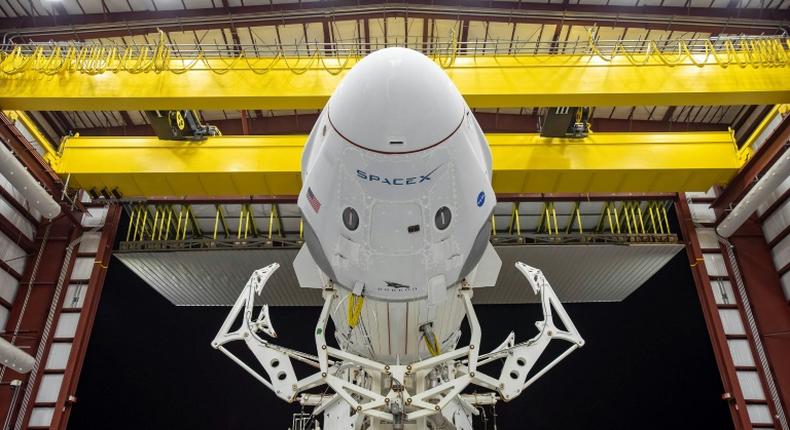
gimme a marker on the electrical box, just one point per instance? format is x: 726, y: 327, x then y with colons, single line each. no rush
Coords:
x: 565, y: 121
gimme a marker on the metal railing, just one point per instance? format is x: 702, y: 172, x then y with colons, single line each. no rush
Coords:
x: 580, y: 239
x: 95, y: 57
x: 177, y: 227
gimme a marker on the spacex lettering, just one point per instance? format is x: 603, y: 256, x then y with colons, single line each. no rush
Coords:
x: 412, y: 180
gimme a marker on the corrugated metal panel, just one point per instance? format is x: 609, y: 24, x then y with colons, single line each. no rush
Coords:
x: 751, y: 385
x: 8, y: 286
x: 781, y: 253
x: 777, y: 222
x: 741, y: 352
x: 722, y: 292
x: 12, y: 254
x: 17, y: 219
x: 714, y: 264
x: 702, y: 212
x: 3, y: 316
x: 49, y: 389
x: 216, y: 277
x: 731, y: 320
x: 707, y: 238
x: 578, y: 273
x: 58, y: 356
x: 759, y: 414
x: 41, y: 416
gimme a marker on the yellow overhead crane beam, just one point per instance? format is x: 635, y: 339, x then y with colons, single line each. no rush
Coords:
x: 154, y: 77
x: 523, y: 163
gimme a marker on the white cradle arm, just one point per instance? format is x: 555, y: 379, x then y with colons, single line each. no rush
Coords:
x: 396, y: 402
x: 521, y: 358
x: 275, y: 360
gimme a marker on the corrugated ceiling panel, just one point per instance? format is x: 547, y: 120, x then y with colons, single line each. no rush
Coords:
x: 396, y: 31
x: 141, y: 5
x: 621, y: 112
x: 500, y: 30
x: 72, y: 7
x: 578, y: 273
x: 291, y: 34
x: 642, y: 112
x: 117, y: 5
x: 264, y: 35
x: 40, y: 7
x: 376, y: 31
x: 346, y: 31
x: 415, y: 34
x: 315, y: 33
x: 91, y: 6
x: 610, y: 33
x: 477, y: 31
x: 197, y: 4
x: 445, y: 28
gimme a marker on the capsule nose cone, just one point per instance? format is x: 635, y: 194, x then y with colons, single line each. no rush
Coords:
x: 396, y: 100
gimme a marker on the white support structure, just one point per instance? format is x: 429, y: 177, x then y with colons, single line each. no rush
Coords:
x: 368, y: 394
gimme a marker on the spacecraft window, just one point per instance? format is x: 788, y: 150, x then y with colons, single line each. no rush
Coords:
x: 443, y: 217
x: 350, y: 218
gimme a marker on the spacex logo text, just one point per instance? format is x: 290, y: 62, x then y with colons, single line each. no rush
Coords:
x: 412, y: 180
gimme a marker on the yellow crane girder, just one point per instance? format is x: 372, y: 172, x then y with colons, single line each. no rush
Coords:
x: 523, y: 163
x: 494, y: 81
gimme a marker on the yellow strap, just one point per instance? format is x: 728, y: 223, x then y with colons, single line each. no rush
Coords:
x: 433, y: 347
x: 354, y: 309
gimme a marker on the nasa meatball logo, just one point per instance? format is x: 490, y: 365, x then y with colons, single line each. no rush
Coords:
x: 405, y: 180
x: 481, y: 199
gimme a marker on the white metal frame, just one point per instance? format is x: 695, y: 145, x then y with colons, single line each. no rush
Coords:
x: 460, y: 367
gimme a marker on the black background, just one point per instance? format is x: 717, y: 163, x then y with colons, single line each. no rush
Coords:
x: 647, y: 364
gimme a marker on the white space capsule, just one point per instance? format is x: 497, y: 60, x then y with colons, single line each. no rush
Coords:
x: 396, y: 174
x: 396, y: 201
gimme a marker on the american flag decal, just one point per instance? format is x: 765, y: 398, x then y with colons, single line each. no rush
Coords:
x: 313, y: 200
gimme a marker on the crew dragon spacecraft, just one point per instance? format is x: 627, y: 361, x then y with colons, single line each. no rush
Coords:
x: 396, y: 201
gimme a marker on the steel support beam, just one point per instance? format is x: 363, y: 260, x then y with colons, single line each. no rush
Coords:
x: 697, y: 19
x: 79, y: 347
x: 29, y: 157
x: 489, y: 122
x: 768, y: 305
x: 34, y: 302
x: 732, y: 389
x: 485, y: 82
x: 501, y: 197
x: 11, y: 200
x: 15, y: 234
x: 523, y: 163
